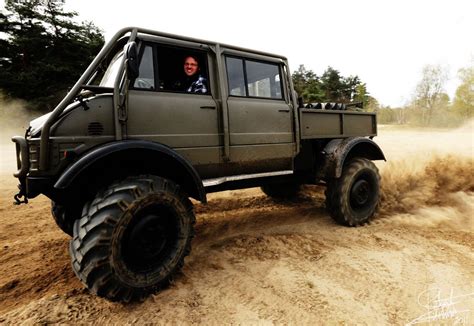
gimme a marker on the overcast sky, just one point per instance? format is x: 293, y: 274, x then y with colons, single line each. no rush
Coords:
x: 386, y: 43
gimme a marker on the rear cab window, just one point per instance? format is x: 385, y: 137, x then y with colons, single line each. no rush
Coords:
x: 252, y: 78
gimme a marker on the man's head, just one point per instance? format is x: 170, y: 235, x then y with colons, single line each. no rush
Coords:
x: 191, y: 66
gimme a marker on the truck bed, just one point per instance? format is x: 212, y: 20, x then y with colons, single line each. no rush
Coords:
x: 316, y: 124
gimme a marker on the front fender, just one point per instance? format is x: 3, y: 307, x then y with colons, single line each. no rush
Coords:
x: 152, y: 153
x: 339, y: 151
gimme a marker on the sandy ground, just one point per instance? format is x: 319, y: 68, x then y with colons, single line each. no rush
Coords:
x: 255, y: 261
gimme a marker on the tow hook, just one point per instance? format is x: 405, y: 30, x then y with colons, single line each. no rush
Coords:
x: 19, y: 195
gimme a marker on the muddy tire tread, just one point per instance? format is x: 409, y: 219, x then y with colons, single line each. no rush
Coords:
x: 336, y: 193
x: 89, y: 247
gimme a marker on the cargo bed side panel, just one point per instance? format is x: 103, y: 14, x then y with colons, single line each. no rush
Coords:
x: 336, y: 124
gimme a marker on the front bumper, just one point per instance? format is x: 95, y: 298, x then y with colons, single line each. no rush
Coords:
x: 29, y: 187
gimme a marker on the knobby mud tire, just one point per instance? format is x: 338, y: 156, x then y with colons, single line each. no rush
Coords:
x: 104, y: 250
x: 353, y: 199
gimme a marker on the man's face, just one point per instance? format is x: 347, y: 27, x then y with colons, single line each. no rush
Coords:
x: 190, y: 66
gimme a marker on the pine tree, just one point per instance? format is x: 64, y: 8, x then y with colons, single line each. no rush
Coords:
x: 45, y: 51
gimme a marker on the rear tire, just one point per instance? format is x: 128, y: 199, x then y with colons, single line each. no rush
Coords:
x: 353, y: 199
x: 282, y: 191
x: 132, y: 238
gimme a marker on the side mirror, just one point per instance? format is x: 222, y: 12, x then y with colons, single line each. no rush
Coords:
x: 131, y: 60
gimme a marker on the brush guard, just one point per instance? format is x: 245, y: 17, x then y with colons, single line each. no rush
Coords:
x: 23, y: 164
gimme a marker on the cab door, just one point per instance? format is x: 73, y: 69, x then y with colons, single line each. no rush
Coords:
x: 260, y: 117
x: 187, y: 122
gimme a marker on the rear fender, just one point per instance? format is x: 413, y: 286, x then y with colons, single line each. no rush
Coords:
x: 339, y: 151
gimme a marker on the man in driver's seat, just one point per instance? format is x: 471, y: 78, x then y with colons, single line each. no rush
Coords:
x: 193, y: 81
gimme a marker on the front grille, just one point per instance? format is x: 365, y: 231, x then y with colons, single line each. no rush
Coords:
x: 95, y: 129
x: 34, y: 157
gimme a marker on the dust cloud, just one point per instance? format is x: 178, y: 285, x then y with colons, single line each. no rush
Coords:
x: 14, y: 120
x: 14, y: 117
x: 433, y: 192
x: 428, y: 178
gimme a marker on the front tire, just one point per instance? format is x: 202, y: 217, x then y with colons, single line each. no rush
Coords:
x: 132, y: 238
x: 353, y: 199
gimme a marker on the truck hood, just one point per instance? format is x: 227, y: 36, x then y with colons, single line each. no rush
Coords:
x: 37, y: 124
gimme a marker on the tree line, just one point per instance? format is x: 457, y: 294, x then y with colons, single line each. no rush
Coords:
x: 45, y: 50
x: 430, y: 105
x: 331, y: 86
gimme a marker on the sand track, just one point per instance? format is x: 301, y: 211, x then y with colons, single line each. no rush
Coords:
x: 259, y: 261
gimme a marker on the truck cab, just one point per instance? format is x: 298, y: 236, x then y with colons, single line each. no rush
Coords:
x: 243, y: 123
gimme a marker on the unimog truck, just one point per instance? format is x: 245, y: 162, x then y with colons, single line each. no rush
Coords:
x: 123, y: 152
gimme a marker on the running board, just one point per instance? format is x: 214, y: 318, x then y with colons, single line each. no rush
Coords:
x: 219, y: 181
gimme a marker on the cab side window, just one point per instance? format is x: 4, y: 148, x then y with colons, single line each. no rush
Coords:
x: 182, y: 70
x: 251, y: 78
x: 172, y: 69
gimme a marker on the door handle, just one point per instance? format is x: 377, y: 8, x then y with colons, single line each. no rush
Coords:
x: 210, y: 107
x: 284, y: 110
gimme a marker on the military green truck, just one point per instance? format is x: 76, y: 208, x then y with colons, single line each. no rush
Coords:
x: 123, y: 152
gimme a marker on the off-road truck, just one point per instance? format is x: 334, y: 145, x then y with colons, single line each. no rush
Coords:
x: 123, y: 152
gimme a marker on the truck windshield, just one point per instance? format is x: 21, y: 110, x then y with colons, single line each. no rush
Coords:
x: 112, y: 71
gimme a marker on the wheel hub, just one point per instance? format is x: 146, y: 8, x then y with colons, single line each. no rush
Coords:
x: 146, y: 241
x: 360, y: 193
